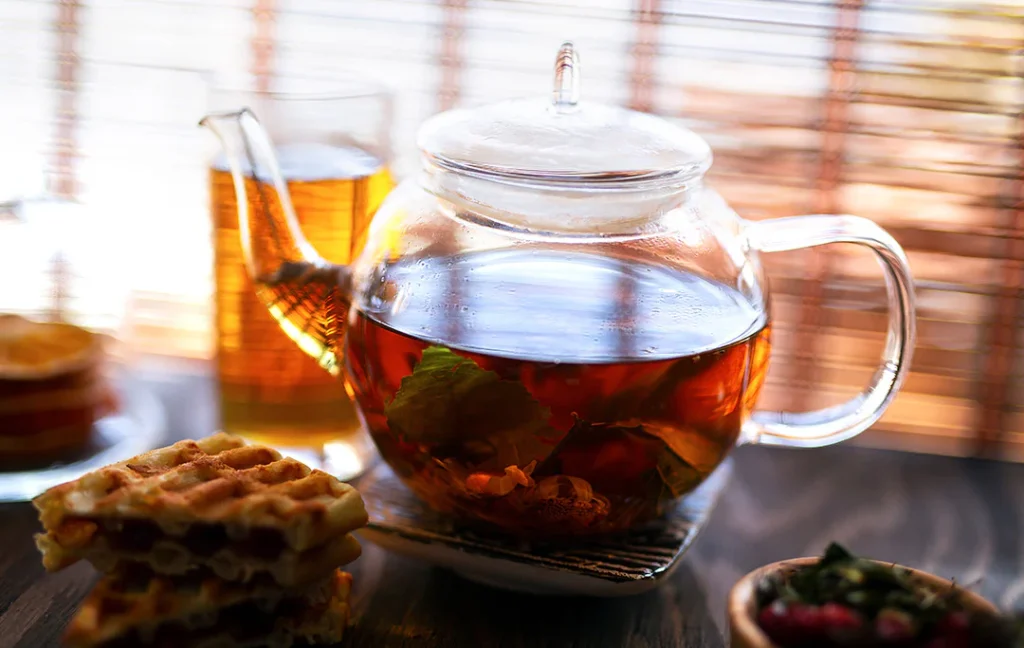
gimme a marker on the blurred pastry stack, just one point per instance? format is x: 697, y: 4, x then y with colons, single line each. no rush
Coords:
x: 206, y: 543
x: 52, y: 390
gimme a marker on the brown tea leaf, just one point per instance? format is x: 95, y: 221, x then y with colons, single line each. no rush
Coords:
x: 679, y: 457
x: 578, y: 452
x: 679, y: 477
x: 699, y: 451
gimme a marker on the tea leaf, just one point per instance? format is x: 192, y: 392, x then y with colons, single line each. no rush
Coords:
x: 679, y: 476
x: 675, y: 459
x: 584, y: 438
x: 687, y: 456
x: 835, y: 552
x: 693, y: 448
x: 449, y: 399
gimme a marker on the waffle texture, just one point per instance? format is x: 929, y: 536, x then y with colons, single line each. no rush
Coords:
x: 241, y: 510
x: 207, y: 612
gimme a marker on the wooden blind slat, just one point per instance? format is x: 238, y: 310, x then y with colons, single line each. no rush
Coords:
x: 1000, y: 366
x: 835, y: 119
x: 63, y: 176
x: 451, y: 53
x: 262, y: 45
x: 65, y: 149
x: 647, y: 18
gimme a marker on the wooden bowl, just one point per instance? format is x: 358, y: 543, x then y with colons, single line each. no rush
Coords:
x: 742, y: 607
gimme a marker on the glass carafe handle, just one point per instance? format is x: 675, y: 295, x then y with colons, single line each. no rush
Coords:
x: 831, y: 425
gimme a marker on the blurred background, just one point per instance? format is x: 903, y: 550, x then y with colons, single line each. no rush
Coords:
x: 904, y: 111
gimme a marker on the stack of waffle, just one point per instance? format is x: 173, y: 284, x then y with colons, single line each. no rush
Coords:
x: 51, y: 390
x: 208, y: 543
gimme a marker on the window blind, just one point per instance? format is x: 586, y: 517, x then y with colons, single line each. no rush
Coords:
x: 904, y: 111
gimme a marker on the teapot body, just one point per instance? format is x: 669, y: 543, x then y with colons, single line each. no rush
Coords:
x: 548, y: 382
x: 556, y: 328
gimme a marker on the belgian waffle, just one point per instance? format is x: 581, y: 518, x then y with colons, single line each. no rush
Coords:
x: 169, y: 612
x: 240, y: 510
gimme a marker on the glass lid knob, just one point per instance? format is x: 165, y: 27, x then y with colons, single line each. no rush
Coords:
x: 567, y: 79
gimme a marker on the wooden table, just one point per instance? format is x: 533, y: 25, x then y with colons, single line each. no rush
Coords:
x: 958, y: 518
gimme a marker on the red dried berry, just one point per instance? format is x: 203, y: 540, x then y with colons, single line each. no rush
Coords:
x: 777, y: 623
x: 839, y: 618
x: 894, y: 626
x: 954, y: 623
x: 952, y: 631
x: 808, y: 622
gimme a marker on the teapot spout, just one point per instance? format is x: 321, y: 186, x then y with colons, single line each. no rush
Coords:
x: 259, y: 187
x: 303, y: 292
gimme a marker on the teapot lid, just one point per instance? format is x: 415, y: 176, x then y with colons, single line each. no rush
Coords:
x: 563, y: 140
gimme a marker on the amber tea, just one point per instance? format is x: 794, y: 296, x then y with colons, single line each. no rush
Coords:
x: 269, y: 389
x: 547, y: 409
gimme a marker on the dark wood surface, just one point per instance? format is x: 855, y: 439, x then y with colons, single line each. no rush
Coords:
x: 958, y: 518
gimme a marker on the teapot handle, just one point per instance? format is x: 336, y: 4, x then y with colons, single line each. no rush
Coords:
x: 834, y: 424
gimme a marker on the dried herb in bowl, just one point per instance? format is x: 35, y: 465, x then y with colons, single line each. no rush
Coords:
x: 843, y: 600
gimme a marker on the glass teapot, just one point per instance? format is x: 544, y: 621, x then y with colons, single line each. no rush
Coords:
x: 556, y: 327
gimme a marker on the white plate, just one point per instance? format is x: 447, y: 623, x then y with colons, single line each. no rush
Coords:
x: 139, y: 426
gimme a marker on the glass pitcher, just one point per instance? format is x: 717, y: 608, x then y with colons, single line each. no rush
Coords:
x: 332, y: 143
x: 556, y: 327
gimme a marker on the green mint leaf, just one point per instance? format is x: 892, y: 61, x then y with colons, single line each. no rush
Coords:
x: 481, y: 418
x: 835, y: 553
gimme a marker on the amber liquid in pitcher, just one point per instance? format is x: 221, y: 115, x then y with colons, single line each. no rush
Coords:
x: 554, y: 393
x: 271, y: 391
